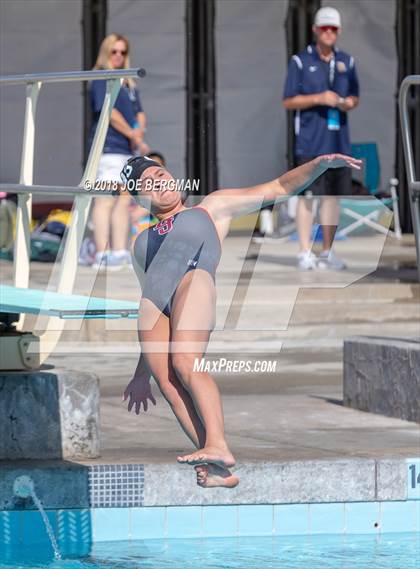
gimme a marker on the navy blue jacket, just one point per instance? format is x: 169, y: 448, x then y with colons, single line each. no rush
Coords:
x: 309, y: 74
x: 127, y: 103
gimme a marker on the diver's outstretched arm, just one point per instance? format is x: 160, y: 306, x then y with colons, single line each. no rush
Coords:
x: 225, y: 204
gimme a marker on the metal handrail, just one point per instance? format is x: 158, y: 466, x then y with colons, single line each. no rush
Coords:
x: 413, y: 184
x: 49, y: 190
x: 82, y: 201
x: 63, y: 76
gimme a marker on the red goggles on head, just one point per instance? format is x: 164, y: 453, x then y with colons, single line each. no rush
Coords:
x: 334, y: 29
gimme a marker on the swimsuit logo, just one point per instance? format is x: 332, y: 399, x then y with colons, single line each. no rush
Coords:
x: 164, y: 226
x: 192, y: 263
x: 312, y: 68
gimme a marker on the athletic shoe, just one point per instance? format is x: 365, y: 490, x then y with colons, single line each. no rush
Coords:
x: 101, y: 261
x: 118, y: 262
x: 328, y: 260
x: 307, y: 261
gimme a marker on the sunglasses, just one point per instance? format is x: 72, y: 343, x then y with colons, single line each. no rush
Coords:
x: 122, y: 51
x: 334, y: 29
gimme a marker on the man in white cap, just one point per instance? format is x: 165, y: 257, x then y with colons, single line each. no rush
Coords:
x: 321, y: 88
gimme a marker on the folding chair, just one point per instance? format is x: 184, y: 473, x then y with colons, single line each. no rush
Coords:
x: 365, y: 211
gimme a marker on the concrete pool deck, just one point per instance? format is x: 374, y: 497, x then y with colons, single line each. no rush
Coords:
x: 294, y: 414
x: 283, y: 427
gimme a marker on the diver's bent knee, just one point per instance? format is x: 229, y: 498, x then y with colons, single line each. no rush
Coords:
x: 167, y: 389
x: 183, y: 365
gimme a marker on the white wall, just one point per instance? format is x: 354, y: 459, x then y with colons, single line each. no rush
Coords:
x: 251, y: 64
x: 42, y: 36
x: 156, y: 30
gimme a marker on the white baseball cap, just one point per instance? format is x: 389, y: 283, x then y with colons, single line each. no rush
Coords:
x: 327, y: 17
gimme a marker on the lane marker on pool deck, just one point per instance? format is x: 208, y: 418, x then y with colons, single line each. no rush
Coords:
x: 413, y: 478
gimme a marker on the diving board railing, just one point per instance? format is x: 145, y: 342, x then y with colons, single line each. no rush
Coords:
x: 82, y: 198
x: 413, y: 183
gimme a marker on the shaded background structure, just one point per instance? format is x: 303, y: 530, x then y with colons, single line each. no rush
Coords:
x: 215, y: 74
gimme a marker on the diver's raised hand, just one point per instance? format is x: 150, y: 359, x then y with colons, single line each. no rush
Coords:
x: 339, y: 161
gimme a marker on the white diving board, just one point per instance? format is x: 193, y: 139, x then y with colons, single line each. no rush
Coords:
x: 34, y: 301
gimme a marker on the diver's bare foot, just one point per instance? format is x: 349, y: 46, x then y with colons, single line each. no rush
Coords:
x: 213, y: 455
x: 212, y: 476
x: 202, y: 473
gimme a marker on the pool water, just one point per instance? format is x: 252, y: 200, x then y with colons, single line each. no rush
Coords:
x: 386, y: 551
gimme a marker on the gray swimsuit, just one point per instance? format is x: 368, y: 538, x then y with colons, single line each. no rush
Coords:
x: 164, y: 253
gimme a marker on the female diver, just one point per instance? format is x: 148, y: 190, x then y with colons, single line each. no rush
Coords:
x: 175, y: 261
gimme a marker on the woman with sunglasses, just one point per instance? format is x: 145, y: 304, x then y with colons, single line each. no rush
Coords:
x: 125, y: 138
x: 175, y: 262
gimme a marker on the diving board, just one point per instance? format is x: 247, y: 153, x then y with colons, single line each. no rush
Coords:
x: 15, y: 300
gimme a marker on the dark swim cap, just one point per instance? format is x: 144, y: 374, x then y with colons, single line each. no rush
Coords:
x: 134, y: 168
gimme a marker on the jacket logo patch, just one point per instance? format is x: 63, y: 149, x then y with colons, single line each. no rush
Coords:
x: 341, y: 67
x: 312, y: 68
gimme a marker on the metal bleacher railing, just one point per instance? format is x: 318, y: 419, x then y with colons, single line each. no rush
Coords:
x: 82, y: 198
x: 413, y: 184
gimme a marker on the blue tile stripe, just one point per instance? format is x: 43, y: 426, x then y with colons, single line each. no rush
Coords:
x: 73, y: 527
x: 327, y: 518
x: 362, y: 517
x: 291, y: 519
